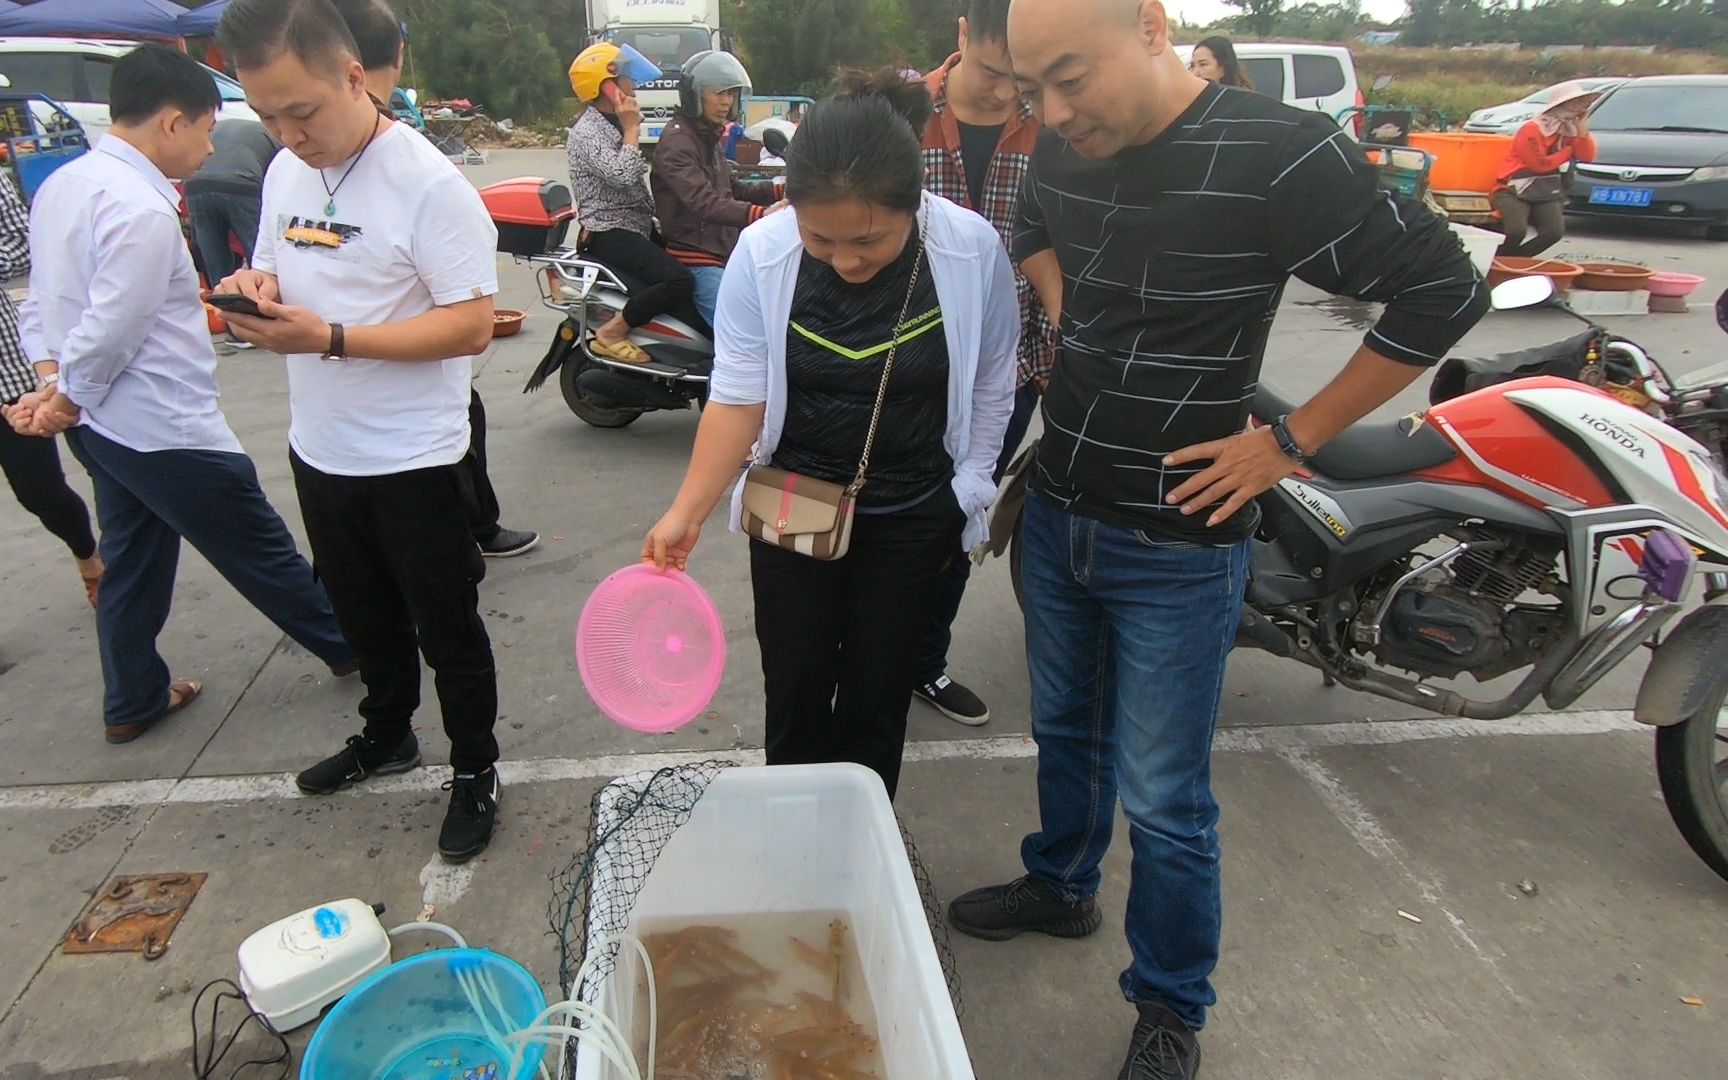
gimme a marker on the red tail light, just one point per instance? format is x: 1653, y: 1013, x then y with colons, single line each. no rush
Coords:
x: 1361, y: 103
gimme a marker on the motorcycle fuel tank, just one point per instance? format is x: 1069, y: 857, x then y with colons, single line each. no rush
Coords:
x: 1553, y: 443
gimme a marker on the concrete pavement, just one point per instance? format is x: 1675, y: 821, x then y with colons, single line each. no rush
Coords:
x: 1340, y: 811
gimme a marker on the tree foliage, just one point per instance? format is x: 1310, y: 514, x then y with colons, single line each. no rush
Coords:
x: 496, y: 53
x: 1258, y: 17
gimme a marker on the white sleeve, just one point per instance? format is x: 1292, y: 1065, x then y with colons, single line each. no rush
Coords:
x: 740, y: 338
x: 455, y: 246
x: 135, y: 256
x: 264, y: 251
x: 993, y: 389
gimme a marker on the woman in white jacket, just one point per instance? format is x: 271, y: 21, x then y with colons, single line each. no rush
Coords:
x: 814, y: 301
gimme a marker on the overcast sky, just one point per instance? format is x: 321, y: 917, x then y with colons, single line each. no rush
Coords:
x: 1206, y: 11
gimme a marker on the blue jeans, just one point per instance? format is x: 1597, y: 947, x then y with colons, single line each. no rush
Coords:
x: 145, y: 505
x: 707, y: 289
x: 214, y: 215
x: 1126, y: 639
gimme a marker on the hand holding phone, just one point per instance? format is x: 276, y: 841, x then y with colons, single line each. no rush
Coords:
x: 629, y: 110
x: 237, y: 304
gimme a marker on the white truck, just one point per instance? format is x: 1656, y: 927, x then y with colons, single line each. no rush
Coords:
x: 667, y: 32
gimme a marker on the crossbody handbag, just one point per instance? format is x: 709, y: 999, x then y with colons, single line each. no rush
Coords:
x: 813, y: 517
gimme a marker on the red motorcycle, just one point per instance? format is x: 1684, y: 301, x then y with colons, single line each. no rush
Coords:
x: 1538, y: 525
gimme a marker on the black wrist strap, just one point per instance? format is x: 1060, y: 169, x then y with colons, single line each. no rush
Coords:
x: 1286, y: 441
x: 338, y: 343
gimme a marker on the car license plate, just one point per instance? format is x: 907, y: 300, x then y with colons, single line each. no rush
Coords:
x: 1622, y: 196
x: 654, y: 133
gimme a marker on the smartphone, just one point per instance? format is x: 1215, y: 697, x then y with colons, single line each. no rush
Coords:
x: 234, y: 302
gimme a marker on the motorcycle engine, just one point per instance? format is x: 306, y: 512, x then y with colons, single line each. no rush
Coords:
x: 1444, y: 632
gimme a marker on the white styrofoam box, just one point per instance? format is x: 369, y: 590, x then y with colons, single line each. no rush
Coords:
x: 1595, y: 304
x: 795, y: 839
x: 1481, y: 244
x: 293, y: 968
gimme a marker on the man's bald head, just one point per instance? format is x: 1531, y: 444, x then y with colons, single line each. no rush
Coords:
x: 1102, y: 73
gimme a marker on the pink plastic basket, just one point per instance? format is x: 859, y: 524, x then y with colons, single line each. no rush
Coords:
x: 650, y: 648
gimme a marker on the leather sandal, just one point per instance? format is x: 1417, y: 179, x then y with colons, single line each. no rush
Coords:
x: 625, y: 352
x: 181, y: 693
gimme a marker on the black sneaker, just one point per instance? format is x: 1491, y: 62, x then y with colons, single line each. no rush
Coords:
x: 473, y: 811
x: 509, y: 543
x: 955, y: 702
x: 1000, y: 912
x: 357, y: 761
x: 1163, y: 1047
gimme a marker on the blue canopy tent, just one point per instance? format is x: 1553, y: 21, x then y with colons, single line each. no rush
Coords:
x: 132, y: 18
x: 201, y: 21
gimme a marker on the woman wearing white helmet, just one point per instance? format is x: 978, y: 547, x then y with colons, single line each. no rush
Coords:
x: 613, y: 206
x: 702, y: 207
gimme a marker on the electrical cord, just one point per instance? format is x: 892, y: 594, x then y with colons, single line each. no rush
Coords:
x: 206, y: 1057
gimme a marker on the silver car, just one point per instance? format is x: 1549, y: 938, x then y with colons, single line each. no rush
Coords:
x: 1508, y: 118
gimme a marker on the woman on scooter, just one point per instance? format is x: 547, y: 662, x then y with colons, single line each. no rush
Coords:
x: 1533, y: 180
x: 869, y: 332
x: 614, y: 208
x: 702, y: 207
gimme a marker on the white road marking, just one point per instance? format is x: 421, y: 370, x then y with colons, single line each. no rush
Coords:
x: 1285, y: 739
x: 442, y: 884
x: 1373, y: 838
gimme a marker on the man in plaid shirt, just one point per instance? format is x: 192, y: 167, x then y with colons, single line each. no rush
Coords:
x: 976, y: 148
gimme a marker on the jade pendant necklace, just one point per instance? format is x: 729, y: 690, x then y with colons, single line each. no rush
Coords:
x: 330, y: 206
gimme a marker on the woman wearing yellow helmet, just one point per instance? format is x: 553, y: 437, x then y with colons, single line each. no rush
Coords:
x: 614, y: 207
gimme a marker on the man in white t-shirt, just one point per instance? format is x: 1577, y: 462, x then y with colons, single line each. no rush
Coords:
x: 376, y: 270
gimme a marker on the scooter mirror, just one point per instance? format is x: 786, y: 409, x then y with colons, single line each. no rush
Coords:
x: 1383, y: 82
x: 775, y: 142
x: 1722, y: 311
x: 1522, y: 292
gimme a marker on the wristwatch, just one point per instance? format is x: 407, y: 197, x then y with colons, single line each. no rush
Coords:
x: 1287, y: 442
x: 48, y: 382
x: 338, y: 347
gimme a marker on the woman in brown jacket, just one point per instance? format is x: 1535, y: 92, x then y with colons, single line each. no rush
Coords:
x: 701, y: 207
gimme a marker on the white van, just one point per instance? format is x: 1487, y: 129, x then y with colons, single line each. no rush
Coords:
x: 1318, y: 77
x: 76, y: 71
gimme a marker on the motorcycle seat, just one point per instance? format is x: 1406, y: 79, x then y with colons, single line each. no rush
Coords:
x: 1368, y: 450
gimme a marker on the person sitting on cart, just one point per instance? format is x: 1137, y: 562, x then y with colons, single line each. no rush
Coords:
x: 702, y: 206
x: 614, y: 208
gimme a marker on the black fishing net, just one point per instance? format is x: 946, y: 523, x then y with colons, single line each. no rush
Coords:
x: 630, y: 822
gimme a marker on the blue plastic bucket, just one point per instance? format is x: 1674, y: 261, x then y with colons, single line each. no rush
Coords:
x: 412, y: 1021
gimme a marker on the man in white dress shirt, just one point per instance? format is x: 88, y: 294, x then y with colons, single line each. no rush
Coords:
x: 116, y: 330
x: 375, y: 268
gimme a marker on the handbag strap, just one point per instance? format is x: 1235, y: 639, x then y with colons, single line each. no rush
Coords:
x: 887, y: 370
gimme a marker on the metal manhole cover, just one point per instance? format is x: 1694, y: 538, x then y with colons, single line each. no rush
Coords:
x: 135, y: 914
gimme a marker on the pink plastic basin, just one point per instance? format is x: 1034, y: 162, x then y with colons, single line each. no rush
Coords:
x: 1673, y: 283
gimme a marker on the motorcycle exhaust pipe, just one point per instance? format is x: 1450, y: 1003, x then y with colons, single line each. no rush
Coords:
x: 1256, y: 631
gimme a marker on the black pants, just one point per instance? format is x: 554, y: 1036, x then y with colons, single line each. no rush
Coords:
x: 32, y: 467
x: 659, y: 284
x: 484, y: 523
x: 397, y: 558
x: 839, y: 638
x: 1516, y: 217
x: 933, y: 655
